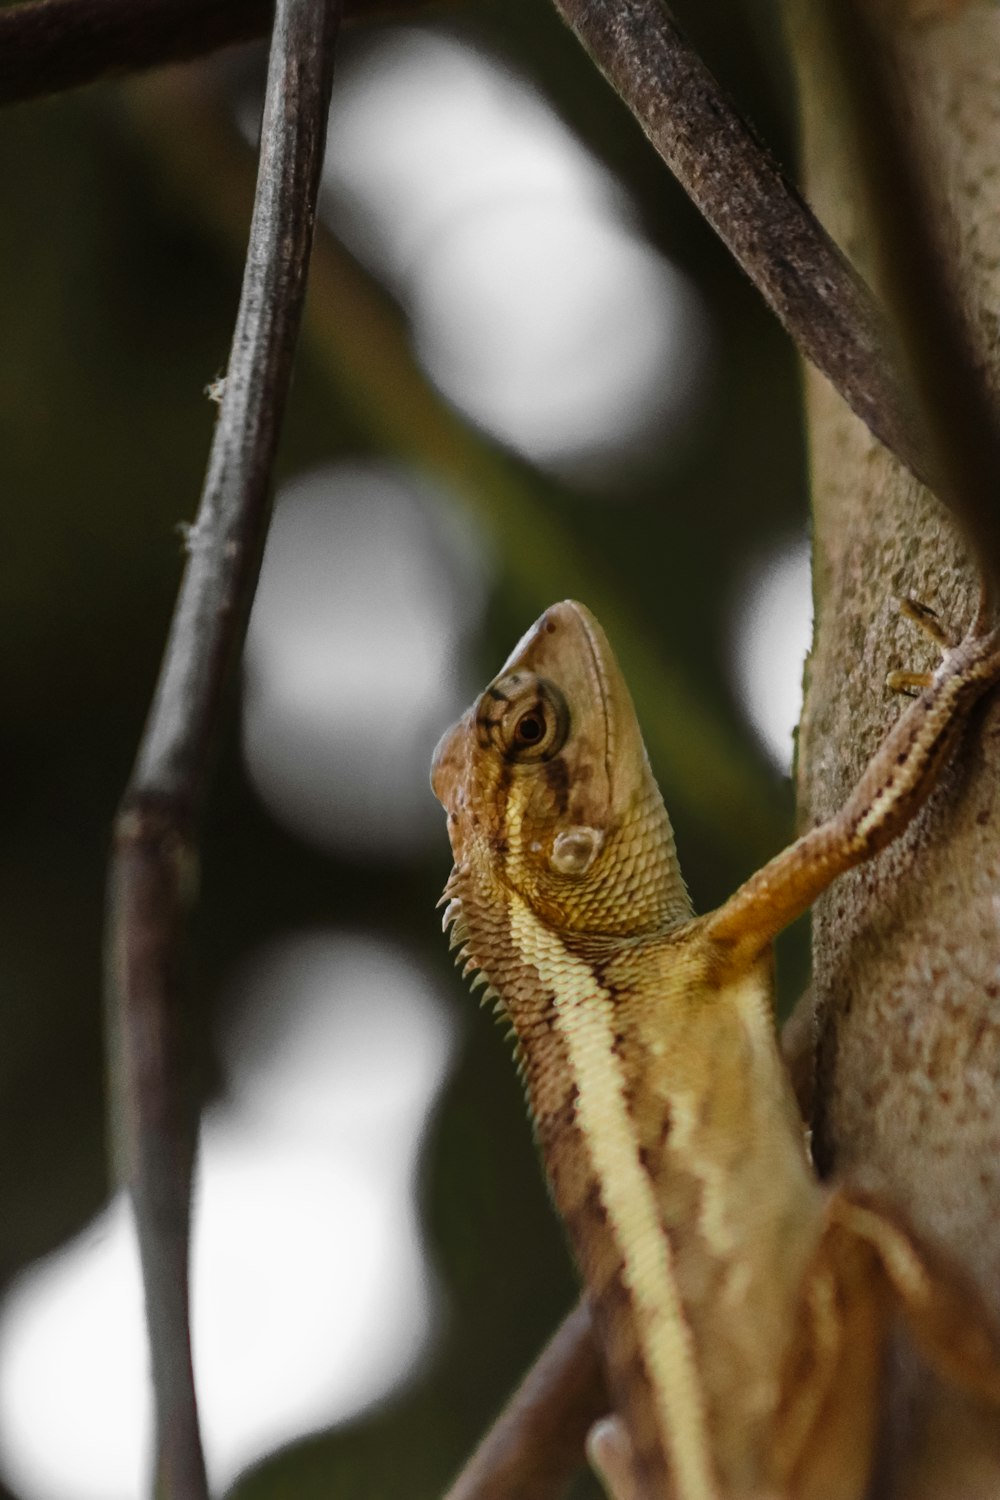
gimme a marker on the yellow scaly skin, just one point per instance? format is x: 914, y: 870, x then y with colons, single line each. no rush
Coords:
x: 741, y: 1308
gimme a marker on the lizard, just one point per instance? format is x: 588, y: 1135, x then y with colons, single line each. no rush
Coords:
x: 741, y: 1307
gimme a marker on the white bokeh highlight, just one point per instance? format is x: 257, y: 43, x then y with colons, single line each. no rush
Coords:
x: 311, y: 1294
x: 771, y: 635
x: 71, y: 1340
x: 558, y: 330
x: 367, y: 587
x: 425, y: 127
x: 538, y: 307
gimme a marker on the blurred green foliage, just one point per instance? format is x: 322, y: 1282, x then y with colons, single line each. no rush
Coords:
x: 118, y: 293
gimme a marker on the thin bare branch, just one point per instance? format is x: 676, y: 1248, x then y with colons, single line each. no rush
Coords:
x: 153, y: 864
x: 758, y: 214
x: 957, y: 408
x: 47, y: 46
x: 536, y: 1444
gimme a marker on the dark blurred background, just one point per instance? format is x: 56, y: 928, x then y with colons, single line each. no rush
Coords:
x: 528, y: 371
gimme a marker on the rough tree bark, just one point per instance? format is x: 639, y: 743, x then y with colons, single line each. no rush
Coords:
x: 907, y: 949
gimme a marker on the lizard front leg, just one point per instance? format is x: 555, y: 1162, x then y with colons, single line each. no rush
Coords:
x: 896, y: 782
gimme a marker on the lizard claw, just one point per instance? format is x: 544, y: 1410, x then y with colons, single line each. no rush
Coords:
x: 910, y: 683
x: 928, y: 621
x: 982, y: 640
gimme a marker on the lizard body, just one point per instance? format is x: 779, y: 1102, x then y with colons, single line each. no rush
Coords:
x: 741, y: 1307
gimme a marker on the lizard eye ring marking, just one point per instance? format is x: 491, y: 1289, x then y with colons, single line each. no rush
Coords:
x: 525, y: 717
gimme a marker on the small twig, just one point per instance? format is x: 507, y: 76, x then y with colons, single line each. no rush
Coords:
x: 47, y: 46
x: 536, y: 1444
x: 152, y: 871
x: 735, y: 183
x: 957, y: 408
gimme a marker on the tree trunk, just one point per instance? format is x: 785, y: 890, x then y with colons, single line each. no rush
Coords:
x: 907, y: 948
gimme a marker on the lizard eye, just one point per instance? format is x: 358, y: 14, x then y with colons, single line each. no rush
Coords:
x: 536, y: 730
x: 526, y: 717
x: 529, y: 729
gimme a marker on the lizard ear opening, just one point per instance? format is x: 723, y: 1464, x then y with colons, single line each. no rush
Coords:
x: 575, y: 849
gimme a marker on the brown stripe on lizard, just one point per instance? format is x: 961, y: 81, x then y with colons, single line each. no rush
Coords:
x: 741, y: 1308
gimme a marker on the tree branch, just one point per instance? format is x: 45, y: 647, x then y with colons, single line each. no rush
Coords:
x: 536, y: 1444
x: 757, y: 213
x: 47, y: 46
x: 153, y: 863
x: 905, y: 958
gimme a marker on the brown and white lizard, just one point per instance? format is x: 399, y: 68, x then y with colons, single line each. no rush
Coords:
x: 741, y: 1307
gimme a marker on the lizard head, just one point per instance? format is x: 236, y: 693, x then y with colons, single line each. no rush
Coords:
x: 549, y: 792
